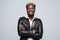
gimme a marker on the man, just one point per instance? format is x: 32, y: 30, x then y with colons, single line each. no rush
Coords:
x: 30, y: 27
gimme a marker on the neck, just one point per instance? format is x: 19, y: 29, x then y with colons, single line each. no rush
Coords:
x: 31, y: 17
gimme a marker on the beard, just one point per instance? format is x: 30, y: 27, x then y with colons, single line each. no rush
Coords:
x: 30, y: 14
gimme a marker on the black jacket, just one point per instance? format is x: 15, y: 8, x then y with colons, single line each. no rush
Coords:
x: 37, y: 25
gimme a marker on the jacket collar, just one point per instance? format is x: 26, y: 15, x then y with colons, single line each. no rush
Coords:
x: 28, y: 17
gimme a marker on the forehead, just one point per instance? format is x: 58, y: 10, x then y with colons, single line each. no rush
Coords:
x: 30, y: 6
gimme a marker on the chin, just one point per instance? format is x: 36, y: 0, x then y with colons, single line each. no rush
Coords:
x: 30, y: 13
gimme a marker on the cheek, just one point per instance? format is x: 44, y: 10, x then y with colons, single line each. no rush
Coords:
x: 32, y: 9
x: 28, y: 10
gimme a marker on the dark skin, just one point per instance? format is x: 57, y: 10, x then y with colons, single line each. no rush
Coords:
x: 30, y: 13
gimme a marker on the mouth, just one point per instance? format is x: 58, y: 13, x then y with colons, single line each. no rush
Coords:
x: 30, y: 12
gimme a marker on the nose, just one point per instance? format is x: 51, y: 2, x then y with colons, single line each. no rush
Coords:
x: 30, y: 9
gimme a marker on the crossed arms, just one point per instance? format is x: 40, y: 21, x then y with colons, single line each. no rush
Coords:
x: 23, y: 32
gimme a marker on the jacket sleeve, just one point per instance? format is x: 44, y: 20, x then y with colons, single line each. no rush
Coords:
x: 23, y: 33
x: 40, y: 30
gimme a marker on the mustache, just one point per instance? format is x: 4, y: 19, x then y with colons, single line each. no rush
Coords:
x: 30, y: 15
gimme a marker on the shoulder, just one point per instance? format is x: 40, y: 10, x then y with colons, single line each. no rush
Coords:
x: 22, y: 18
x: 38, y: 19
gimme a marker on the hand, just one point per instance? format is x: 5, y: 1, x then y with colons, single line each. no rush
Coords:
x: 21, y: 27
x: 29, y: 39
x: 34, y: 31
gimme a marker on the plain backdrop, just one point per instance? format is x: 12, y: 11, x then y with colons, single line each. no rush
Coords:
x: 47, y: 10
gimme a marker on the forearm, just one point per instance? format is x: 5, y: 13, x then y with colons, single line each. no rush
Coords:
x: 26, y: 33
x: 39, y: 32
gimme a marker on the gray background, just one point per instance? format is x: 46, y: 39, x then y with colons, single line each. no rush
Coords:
x: 47, y: 10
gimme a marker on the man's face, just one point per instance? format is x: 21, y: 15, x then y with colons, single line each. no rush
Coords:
x: 30, y: 10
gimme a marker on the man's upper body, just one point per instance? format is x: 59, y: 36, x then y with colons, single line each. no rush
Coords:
x: 29, y: 26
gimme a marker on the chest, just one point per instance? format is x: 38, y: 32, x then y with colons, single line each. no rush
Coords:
x: 30, y: 25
